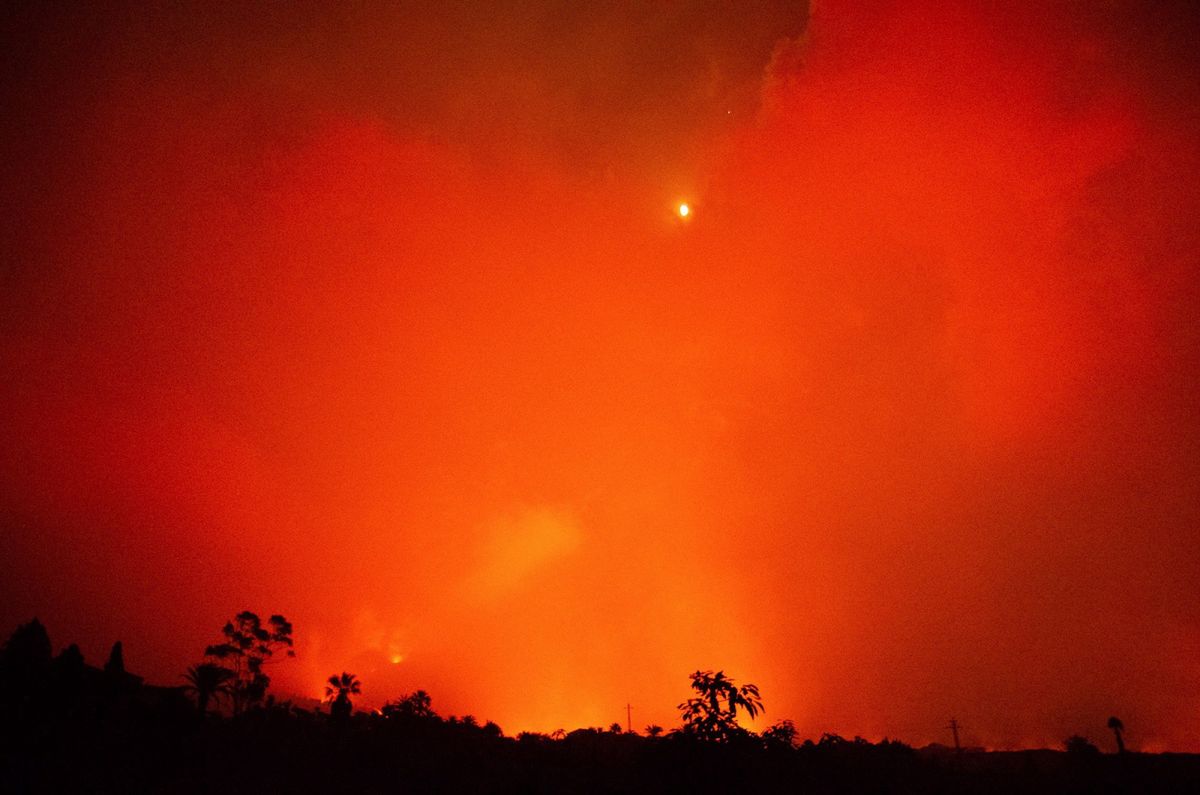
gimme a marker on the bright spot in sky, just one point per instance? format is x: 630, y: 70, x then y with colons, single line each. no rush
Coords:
x: 397, y: 659
x: 684, y: 210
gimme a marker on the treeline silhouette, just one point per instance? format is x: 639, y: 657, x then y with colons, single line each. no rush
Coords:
x: 68, y: 726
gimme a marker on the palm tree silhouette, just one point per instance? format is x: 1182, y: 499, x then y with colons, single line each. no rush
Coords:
x: 1117, y: 727
x: 339, y: 690
x: 206, y: 681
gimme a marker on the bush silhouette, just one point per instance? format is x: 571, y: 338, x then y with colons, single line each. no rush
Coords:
x: 1077, y: 745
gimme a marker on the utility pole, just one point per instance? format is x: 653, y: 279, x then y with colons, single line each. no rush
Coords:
x: 954, y: 728
x: 629, y: 718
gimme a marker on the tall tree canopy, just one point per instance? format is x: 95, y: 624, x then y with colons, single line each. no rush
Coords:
x: 248, y: 646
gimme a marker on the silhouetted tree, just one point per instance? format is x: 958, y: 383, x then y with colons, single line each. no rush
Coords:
x: 207, y: 681
x: 712, y: 713
x: 27, y: 649
x: 781, y: 735
x: 248, y: 646
x: 414, y: 705
x: 654, y: 730
x: 614, y: 728
x: 69, y: 659
x: 67, y: 680
x: 338, y: 692
x: 24, y: 666
x: 115, y: 666
x: 1118, y: 728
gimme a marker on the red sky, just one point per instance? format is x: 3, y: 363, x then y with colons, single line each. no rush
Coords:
x: 382, y: 318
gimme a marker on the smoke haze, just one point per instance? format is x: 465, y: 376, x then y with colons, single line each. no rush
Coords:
x: 382, y: 318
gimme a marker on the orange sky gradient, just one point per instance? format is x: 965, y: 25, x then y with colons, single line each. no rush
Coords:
x: 385, y: 319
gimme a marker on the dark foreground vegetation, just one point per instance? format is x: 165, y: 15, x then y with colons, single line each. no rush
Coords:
x: 70, y: 727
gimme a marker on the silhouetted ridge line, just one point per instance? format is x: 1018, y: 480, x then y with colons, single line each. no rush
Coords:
x: 70, y: 726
